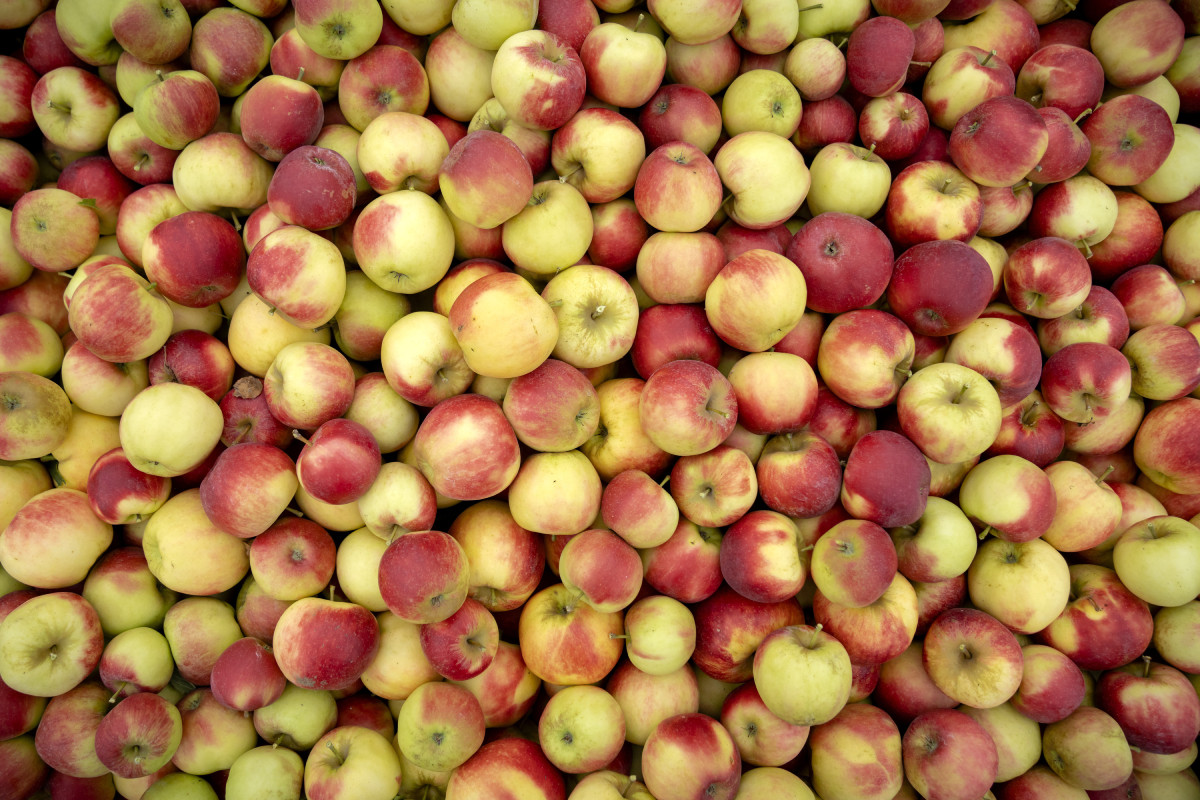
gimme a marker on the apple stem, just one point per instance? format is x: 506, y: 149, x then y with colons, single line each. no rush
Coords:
x: 1083, y: 114
x: 294, y: 512
x: 117, y: 693
x: 1022, y: 185
x: 1027, y: 415
x: 298, y: 435
x: 663, y: 482
x: 1105, y: 474
x: 1070, y: 5
x: 300, y: 74
x: 1035, y: 99
x: 991, y: 54
x: 237, y: 223
x: 564, y: 178
x: 158, y: 73
x: 983, y: 534
x: 598, y: 311
x: 921, y: 63
x: 555, y: 303
x: 1087, y: 248
x: 275, y: 744
x: 1095, y: 605
x: 335, y: 752
x: 812, y: 640
x: 966, y: 651
x: 1145, y: 666
x: 618, y: 636
x: 812, y: 7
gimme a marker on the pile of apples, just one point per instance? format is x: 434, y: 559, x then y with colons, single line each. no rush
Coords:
x: 695, y: 400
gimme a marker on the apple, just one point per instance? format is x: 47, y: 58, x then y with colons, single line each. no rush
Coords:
x: 670, y: 766
x: 308, y: 384
x: 1166, y: 546
x: 714, y: 488
x: 553, y: 204
x: 947, y: 753
x: 503, y: 344
x: 219, y: 172
x: 802, y: 674
x: 1047, y: 278
x: 1119, y: 40
x: 581, y: 729
x: 1161, y: 448
x: 52, y: 643
x: 847, y: 179
x: 439, y: 726
x: 672, y: 331
x: 1085, y: 380
x: 74, y: 109
x: 230, y: 47
x: 816, y: 67
x: 352, y: 761
x: 1088, y: 750
x: 870, y: 74
x: 262, y: 769
x: 553, y: 408
x: 325, y: 644
x: 538, y: 78
x: 916, y: 292
x: 1081, y: 209
x: 970, y: 414
x: 1061, y: 76
x: 875, y: 633
x: 1149, y: 295
x: 893, y: 125
x: 1138, y: 693
x: 1052, y: 686
x: 511, y: 765
x: 1105, y: 626
x: 932, y: 200
x: 1067, y: 151
x: 139, y: 736
x: 832, y: 245
x: 853, y: 563
x: 681, y: 112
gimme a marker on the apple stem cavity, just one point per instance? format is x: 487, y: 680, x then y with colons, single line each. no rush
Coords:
x: 965, y: 651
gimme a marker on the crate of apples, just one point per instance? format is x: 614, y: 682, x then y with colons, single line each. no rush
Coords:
x: 589, y: 399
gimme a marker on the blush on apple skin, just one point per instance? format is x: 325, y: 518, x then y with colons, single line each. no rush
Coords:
x: 920, y: 290
x: 898, y: 501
